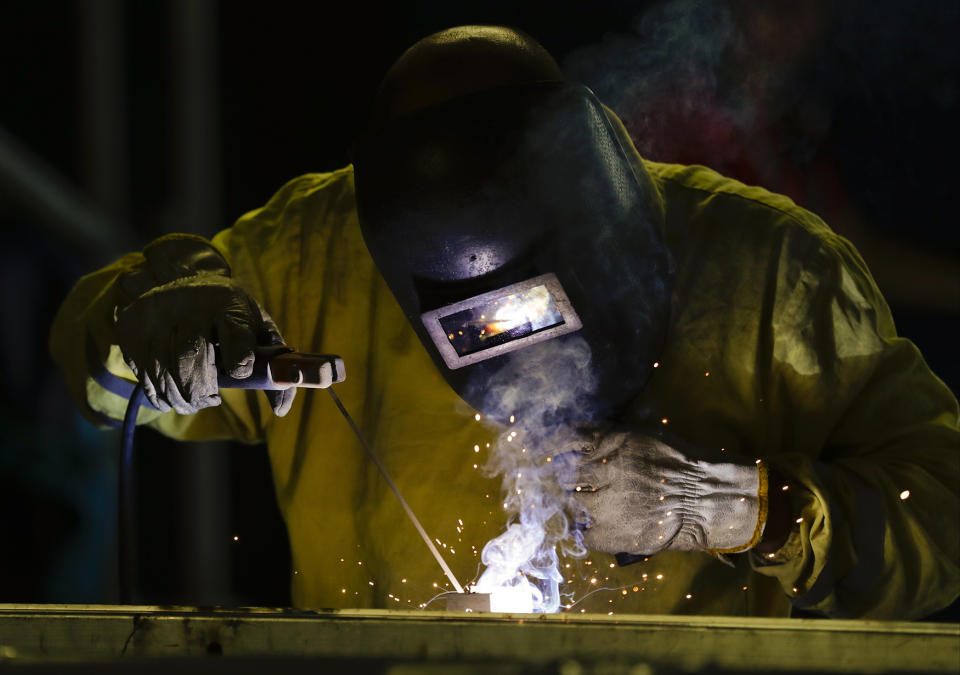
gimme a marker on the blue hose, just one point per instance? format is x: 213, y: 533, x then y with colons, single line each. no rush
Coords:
x: 126, y: 554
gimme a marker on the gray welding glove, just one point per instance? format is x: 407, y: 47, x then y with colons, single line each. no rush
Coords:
x: 641, y: 495
x: 184, y: 317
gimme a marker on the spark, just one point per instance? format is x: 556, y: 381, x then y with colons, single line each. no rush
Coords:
x: 435, y: 584
x: 664, y: 420
x: 359, y: 562
x: 612, y: 565
x: 785, y: 488
x: 723, y: 449
x: 744, y: 588
x: 460, y: 520
x: 656, y: 364
x: 636, y: 588
x: 343, y: 590
x: 905, y: 494
x: 403, y: 581
x: 659, y: 577
x: 236, y: 538
x: 512, y: 419
x: 623, y: 592
x: 341, y: 559
x: 796, y: 590
x: 800, y: 519
x: 743, y: 499
x: 477, y: 417
x: 707, y: 374
x: 593, y: 580
x: 474, y: 466
x: 549, y: 459
x: 370, y: 582
x: 476, y: 448
x: 758, y: 461
x: 771, y: 555
x: 689, y: 596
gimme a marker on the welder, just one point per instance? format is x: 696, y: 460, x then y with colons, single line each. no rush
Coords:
x: 758, y: 435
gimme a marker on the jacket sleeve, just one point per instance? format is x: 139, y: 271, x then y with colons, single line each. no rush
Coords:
x: 877, y: 510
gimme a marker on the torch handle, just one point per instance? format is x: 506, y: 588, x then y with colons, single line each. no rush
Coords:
x: 279, y: 367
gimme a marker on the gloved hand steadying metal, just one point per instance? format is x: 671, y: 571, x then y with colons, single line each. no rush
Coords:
x: 642, y: 495
x: 186, y: 318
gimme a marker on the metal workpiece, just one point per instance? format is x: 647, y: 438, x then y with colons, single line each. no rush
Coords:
x: 583, y: 643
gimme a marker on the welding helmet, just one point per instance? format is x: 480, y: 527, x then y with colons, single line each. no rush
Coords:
x: 513, y: 219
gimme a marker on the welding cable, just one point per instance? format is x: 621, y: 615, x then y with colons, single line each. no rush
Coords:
x: 125, y: 520
x: 403, y: 502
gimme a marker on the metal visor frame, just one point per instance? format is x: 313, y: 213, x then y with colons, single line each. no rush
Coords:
x: 555, y: 317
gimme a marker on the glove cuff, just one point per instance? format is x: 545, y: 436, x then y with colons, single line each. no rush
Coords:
x: 724, y: 508
x: 733, y: 532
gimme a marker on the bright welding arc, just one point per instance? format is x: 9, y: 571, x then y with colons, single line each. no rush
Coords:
x: 396, y: 491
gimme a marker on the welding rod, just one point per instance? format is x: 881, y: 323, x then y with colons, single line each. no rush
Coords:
x: 396, y: 491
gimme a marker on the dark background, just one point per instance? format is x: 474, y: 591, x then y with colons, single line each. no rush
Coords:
x: 120, y: 121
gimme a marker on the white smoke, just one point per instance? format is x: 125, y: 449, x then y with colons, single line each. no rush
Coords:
x: 546, y: 390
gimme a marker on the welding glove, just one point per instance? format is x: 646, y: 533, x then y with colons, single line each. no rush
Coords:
x: 185, y: 317
x: 640, y: 495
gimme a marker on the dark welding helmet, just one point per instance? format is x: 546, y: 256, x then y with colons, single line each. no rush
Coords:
x: 513, y: 218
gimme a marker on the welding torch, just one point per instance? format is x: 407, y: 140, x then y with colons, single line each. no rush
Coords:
x: 274, y: 368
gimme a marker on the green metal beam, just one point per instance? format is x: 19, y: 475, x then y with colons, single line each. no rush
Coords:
x: 51, y: 633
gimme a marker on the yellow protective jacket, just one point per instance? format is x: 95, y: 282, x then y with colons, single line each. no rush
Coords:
x: 780, y: 348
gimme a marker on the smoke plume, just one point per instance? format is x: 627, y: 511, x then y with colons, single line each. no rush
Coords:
x: 545, y: 391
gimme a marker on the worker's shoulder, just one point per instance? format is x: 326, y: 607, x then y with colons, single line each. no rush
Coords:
x: 313, y: 199
x: 312, y: 187
x: 699, y: 191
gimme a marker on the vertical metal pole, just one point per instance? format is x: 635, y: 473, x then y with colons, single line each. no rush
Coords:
x: 196, y: 204
x: 103, y: 111
x: 196, y: 117
x: 104, y: 175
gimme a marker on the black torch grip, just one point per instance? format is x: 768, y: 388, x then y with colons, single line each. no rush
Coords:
x: 624, y: 559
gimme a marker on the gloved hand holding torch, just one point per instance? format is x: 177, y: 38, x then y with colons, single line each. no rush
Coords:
x: 641, y: 495
x: 185, y: 318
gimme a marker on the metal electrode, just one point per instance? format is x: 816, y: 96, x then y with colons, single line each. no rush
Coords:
x: 396, y: 491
